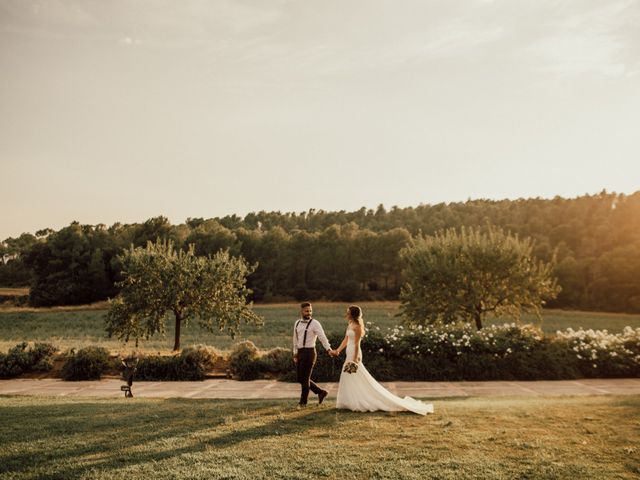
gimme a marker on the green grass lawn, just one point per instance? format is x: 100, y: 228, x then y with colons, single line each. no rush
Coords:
x: 79, y: 328
x: 483, y: 438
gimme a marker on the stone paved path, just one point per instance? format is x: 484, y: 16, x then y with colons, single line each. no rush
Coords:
x: 267, y: 389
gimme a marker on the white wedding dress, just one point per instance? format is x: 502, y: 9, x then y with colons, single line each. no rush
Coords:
x: 361, y: 392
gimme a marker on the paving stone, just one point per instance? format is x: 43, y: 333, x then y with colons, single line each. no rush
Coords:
x: 258, y: 389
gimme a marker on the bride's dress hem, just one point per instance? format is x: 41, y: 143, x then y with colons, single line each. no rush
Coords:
x: 360, y: 392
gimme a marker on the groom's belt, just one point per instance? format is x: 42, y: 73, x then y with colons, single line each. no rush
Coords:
x: 307, y: 348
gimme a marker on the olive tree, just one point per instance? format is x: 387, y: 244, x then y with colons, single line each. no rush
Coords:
x: 158, y: 281
x: 464, y: 276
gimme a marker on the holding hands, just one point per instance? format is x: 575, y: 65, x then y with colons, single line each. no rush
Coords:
x: 333, y: 353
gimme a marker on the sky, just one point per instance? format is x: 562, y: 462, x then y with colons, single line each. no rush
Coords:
x: 119, y: 111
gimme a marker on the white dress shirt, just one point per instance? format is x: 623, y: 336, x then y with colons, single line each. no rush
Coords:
x: 315, y: 331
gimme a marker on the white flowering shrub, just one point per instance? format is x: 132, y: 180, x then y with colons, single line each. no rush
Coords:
x: 458, y: 339
x: 498, y: 352
x: 600, y: 353
x: 461, y: 352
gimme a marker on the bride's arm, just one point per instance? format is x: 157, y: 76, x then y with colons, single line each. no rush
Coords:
x: 358, y: 332
x: 343, y: 345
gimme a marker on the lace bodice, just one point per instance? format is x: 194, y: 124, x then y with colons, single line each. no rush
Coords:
x: 351, y: 346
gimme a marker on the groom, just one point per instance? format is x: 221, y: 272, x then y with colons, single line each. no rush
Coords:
x: 305, y: 333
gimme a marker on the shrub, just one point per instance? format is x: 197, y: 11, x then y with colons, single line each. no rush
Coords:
x: 42, y: 357
x: 277, y: 361
x: 327, y: 368
x: 374, y: 354
x: 86, y: 364
x: 18, y: 359
x: 460, y: 352
x: 244, y: 361
x: 192, y: 364
x: 602, y: 354
x: 26, y: 357
x: 500, y: 352
x: 290, y: 376
x: 9, y: 366
x: 156, y: 367
x: 509, y: 351
x: 549, y: 360
x: 247, y: 363
x: 203, y: 355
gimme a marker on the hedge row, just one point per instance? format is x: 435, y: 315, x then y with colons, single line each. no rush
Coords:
x: 248, y: 363
x: 91, y: 363
x: 26, y: 358
x: 505, y: 352
x: 85, y: 364
x: 459, y: 352
x: 443, y: 353
x: 191, y: 364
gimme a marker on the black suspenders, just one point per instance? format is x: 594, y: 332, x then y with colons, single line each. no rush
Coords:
x: 304, y: 339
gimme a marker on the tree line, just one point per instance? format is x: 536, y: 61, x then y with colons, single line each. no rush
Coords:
x: 593, y: 241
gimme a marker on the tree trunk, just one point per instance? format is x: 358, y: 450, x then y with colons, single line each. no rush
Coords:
x: 478, y: 318
x: 176, y: 344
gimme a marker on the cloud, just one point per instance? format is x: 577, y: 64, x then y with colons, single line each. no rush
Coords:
x: 583, y: 39
x: 182, y: 24
x: 351, y: 48
x: 130, y: 41
x: 277, y: 37
x: 460, y: 38
x: 577, y: 53
x: 53, y: 13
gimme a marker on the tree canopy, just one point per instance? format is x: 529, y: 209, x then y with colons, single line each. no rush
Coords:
x: 159, y: 280
x: 348, y: 255
x: 467, y: 275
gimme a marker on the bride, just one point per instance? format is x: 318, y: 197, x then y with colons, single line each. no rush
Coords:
x: 358, y: 390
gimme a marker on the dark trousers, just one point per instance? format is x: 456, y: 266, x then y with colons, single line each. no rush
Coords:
x: 306, y: 361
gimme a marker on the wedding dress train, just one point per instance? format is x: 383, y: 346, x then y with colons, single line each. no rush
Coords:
x: 361, y: 392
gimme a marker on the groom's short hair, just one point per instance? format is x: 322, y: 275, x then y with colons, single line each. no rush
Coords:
x: 305, y: 304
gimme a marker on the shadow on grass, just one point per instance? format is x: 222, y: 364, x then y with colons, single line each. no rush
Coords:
x: 311, y: 418
x: 629, y: 401
x: 293, y: 423
x: 66, y: 440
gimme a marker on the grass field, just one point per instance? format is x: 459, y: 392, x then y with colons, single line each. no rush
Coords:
x: 79, y: 328
x: 17, y: 291
x: 483, y: 438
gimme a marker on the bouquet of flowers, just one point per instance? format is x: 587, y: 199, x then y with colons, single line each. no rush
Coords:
x: 350, y: 367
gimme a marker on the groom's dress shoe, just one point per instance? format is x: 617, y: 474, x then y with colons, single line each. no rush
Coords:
x: 321, y: 396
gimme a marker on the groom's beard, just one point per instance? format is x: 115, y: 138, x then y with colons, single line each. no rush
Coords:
x: 306, y: 317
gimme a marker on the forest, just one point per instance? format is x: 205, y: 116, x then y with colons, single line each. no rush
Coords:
x: 592, y: 240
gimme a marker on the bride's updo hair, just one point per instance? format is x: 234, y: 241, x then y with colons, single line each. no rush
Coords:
x: 356, y: 314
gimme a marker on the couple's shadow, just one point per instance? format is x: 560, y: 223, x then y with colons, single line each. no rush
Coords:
x: 288, y: 423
